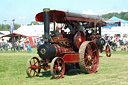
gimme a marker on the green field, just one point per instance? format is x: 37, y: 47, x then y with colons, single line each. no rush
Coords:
x: 111, y: 71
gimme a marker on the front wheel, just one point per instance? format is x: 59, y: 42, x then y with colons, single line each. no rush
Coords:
x: 33, y: 67
x: 57, y: 68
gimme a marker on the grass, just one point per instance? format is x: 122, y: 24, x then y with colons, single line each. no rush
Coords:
x: 111, y: 71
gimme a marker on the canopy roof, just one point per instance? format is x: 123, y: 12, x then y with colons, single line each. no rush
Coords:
x: 116, y: 19
x: 61, y: 16
x: 13, y: 34
x: 16, y: 34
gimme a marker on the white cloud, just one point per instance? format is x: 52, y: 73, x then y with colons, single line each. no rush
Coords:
x: 21, y: 18
x: 89, y: 12
x: 124, y: 10
x: 33, y: 13
x: 112, y: 11
x: 100, y: 11
x: 10, y: 18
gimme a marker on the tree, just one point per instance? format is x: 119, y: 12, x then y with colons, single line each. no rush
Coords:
x: 122, y: 15
x: 34, y: 23
x: 126, y: 16
x: 7, y: 27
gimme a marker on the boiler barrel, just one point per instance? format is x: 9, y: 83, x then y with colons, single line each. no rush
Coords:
x: 46, y: 51
x: 100, y: 42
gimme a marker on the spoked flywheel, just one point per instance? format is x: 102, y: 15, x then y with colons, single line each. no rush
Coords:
x: 33, y: 67
x: 88, y: 57
x: 78, y: 39
x: 108, y: 50
x: 57, y: 68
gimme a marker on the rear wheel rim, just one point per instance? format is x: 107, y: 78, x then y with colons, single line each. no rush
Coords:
x: 89, y: 57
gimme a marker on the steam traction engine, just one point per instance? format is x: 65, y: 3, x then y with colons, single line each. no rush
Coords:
x: 62, y: 51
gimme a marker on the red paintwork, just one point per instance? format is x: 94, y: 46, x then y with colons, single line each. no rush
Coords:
x: 107, y: 51
x: 61, y: 37
x: 34, y: 67
x: 61, y: 16
x: 83, y: 19
x: 45, y: 65
x: 80, y: 35
x: 46, y: 68
x: 57, y: 50
x: 61, y: 50
x: 71, y: 57
x: 39, y: 17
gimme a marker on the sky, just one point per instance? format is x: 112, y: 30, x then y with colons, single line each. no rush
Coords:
x: 24, y: 11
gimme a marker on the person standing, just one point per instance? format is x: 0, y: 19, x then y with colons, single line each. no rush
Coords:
x: 0, y: 43
x: 124, y: 40
x: 38, y: 42
x: 22, y: 42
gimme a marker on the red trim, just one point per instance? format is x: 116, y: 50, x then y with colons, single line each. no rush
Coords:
x: 71, y: 57
x: 61, y: 37
x: 83, y: 19
x: 58, y: 16
x: 57, y: 49
x: 61, y: 16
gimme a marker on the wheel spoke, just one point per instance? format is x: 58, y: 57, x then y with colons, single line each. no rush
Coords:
x: 29, y: 67
x: 57, y: 63
x: 34, y: 61
x: 30, y: 71
x: 34, y: 73
x: 86, y: 63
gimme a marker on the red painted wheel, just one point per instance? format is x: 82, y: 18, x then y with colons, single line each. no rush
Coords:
x: 33, y: 67
x: 78, y: 39
x: 88, y: 57
x: 108, y: 50
x: 57, y: 68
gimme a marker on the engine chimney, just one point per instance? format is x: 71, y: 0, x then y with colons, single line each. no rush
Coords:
x: 46, y: 24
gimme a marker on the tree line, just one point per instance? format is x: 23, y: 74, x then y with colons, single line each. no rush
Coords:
x: 6, y: 27
x: 121, y: 15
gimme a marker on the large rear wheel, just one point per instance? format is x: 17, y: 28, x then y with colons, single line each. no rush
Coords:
x: 88, y: 57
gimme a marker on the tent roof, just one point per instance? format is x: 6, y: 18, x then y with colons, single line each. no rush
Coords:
x: 116, y: 19
x: 32, y: 28
x: 1, y: 33
x: 15, y: 34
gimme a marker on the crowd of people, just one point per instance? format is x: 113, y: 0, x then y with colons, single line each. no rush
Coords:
x: 18, y: 44
x: 3, y: 44
x: 116, y: 42
x: 23, y: 43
